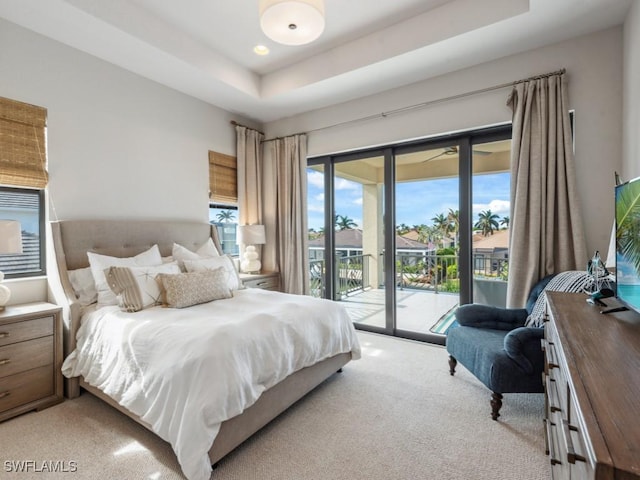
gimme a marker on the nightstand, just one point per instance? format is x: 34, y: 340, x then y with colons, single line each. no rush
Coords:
x: 30, y: 358
x: 264, y: 280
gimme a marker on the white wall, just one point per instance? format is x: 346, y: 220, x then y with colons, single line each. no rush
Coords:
x: 118, y: 145
x: 594, y: 72
x: 631, y: 108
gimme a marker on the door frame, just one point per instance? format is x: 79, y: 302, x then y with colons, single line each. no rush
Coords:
x: 464, y: 141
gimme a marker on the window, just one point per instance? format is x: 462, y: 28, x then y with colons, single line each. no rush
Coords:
x: 223, y: 198
x: 23, y: 177
x: 225, y: 218
x: 27, y: 207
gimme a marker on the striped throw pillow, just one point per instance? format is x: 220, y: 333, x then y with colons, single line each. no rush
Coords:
x: 137, y: 288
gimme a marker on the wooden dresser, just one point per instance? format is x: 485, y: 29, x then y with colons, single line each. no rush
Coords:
x: 30, y: 358
x: 592, y: 383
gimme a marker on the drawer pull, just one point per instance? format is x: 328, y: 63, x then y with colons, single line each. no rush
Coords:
x: 5, y: 394
x: 5, y: 361
x: 4, y: 334
x: 572, y: 456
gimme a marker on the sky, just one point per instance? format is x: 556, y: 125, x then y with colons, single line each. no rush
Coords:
x: 416, y: 202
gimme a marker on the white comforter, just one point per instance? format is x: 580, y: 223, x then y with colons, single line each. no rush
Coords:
x: 184, y: 371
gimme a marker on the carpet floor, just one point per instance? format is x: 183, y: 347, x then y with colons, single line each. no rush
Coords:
x: 395, y: 414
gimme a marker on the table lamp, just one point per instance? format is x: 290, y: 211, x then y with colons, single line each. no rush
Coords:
x: 251, y: 235
x: 10, y: 243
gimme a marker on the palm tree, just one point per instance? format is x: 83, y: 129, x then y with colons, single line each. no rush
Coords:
x: 454, y: 223
x: 226, y: 216
x: 426, y: 233
x: 487, y: 222
x: 505, y: 222
x: 343, y: 222
x: 402, y: 229
x: 628, y: 225
x: 442, y: 225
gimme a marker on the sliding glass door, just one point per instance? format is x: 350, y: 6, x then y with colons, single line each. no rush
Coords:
x: 392, y: 230
x: 427, y: 253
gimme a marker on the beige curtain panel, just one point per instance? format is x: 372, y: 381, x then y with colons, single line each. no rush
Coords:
x: 250, y: 176
x: 23, y: 150
x: 289, y: 158
x: 547, y: 234
x: 272, y: 191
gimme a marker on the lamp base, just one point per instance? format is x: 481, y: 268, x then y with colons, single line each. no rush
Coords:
x: 5, y: 295
x: 250, y: 262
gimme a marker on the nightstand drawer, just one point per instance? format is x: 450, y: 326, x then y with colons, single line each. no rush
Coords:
x: 26, y: 387
x: 19, y: 357
x: 267, y: 283
x: 25, y: 330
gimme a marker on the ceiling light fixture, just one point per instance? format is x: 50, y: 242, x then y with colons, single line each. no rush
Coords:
x: 292, y: 22
x: 261, y: 50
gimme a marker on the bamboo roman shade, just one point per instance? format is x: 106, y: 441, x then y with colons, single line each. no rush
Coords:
x: 223, y: 178
x: 23, y: 152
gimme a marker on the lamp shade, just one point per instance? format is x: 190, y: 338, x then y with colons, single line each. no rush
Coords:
x: 10, y: 237
x: 252, y: 234
x: 292, y: 22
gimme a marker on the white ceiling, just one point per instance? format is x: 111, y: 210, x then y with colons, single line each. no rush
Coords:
x: 204, y: 48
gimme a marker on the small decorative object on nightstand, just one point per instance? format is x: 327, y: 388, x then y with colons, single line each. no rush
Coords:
x: 251, y: 235
x: 264, y: 280
x: 30, y: 358
x: 10, y: 243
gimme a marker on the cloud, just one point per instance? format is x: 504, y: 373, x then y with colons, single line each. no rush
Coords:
x: 499, y: 207
x: 315, y: 179
x: 357, y: 201
x: 343, y: 184
x: 315, y: 208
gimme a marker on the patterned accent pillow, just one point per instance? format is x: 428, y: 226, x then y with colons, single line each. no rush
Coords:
x: 224, y: 261
x: 570, y: 281
x: 187, y: 289
x: 136, y: 287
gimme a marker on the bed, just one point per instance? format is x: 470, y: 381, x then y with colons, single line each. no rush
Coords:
x: 249, y: 407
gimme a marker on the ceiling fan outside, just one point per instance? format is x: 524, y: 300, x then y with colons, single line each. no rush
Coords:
x: 453, y: 150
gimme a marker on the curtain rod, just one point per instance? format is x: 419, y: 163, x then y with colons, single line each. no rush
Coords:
x: 423, y: 104
x: 236, y: 124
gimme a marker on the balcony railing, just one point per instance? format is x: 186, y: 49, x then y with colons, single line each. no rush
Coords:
x: 352, y: 275
x: 419, y: 270
x: 427, y: 271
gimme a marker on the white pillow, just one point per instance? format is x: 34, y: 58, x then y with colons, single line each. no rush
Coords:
x: 136, y: 287
x: 83, y: 285
x: 206, y: 250
x: 99, y: 263
x: 202, y: 264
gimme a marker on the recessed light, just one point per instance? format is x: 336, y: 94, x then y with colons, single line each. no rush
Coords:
x: 261, y: 50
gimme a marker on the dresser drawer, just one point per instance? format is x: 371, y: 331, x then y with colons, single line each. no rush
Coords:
x: 22, y: 388
x: 25, y: 330
x: 575, y: 441
x: 19, y: 357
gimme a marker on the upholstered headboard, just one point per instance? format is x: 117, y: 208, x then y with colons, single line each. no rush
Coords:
x: 72, y: 239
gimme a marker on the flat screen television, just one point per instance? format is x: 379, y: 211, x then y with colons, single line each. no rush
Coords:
x: 627, y: 204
